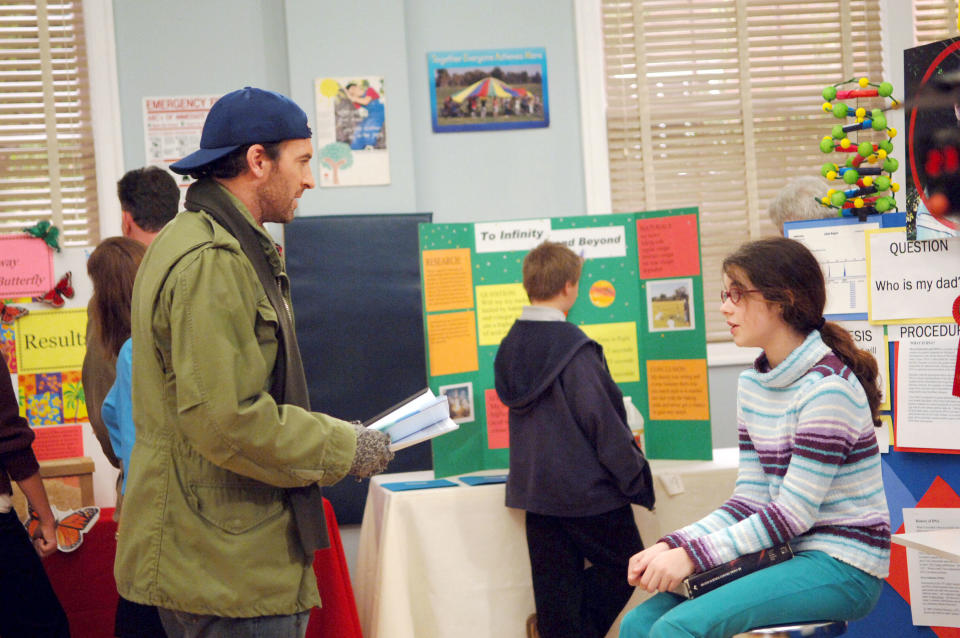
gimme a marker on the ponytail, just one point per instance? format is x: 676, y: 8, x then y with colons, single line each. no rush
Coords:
x: 860, y: 361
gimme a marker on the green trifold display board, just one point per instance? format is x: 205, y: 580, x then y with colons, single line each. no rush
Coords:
x: 640, y: 297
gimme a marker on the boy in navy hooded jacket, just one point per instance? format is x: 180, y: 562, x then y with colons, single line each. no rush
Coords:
x: 574, y: 465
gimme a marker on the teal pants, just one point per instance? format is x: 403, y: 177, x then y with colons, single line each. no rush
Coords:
x: 810, y: 586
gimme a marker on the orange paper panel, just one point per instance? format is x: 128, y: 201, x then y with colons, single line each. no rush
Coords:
x: 498, y: 431
x: 677, y: 390
x: 452, y: 339
x: 447, y: 279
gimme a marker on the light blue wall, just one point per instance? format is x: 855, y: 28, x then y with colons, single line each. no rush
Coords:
x: 185, y: 47
x: 345, y: 39
x: 178, y: 47
x: 500, y: 174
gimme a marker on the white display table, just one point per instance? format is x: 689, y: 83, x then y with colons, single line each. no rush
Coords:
x: 452, y: 561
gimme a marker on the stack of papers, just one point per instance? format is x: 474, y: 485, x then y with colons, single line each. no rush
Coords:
x: 419, y: 418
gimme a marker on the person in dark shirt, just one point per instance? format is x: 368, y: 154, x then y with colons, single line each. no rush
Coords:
x: 574, y: 465
x: 28, y: 605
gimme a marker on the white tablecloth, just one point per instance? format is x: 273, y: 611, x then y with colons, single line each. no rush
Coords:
x: 452, y: 562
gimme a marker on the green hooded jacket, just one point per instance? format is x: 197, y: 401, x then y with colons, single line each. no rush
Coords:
x: 206, y: 526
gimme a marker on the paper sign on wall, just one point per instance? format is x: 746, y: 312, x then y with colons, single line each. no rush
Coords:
x: 51, y: 340
x: 351, y: 131
x: 172, y: 127
x: 26, y: 266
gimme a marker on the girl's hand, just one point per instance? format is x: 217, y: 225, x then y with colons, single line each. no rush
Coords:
x: 667, y: 570
x: 639, y: 562
x: 45, y: 538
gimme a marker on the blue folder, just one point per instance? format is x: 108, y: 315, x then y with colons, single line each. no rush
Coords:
x: 402, y: 486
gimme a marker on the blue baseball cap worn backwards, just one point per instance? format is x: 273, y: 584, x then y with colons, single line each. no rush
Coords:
x: 245, y: 116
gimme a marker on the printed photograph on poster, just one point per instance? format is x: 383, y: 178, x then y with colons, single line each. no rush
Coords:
x: 668, y: 305
x: 172, y: 128
x: 930, y: 71
x: 351, y: 131
x: 493, y: 89
x: 460, y: 398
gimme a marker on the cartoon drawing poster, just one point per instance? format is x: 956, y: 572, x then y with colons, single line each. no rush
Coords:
x: 352, y: 131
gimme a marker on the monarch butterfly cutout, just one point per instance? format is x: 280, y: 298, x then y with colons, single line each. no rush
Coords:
x: 9, y: 314
x: 64, y: 288
x: 71, y: 526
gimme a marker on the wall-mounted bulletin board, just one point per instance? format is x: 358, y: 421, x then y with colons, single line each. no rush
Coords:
x: 640, y: 297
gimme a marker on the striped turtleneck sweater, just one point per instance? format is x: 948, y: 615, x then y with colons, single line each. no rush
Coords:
x: 809, y: 468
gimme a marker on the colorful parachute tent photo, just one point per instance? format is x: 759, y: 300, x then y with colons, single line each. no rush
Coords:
x: 488, y: 90
x: 488, y: 87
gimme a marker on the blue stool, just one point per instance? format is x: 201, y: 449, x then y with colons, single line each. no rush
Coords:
x: 826, y: 629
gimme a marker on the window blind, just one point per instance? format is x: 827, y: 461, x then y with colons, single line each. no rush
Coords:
x: 47, y: 166
x: 934, y: 20
x: 716, y: 104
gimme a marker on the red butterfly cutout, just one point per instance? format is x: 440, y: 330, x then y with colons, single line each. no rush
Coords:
x: 9, y: 314
x: 71, y: 526
x: 64, y: 288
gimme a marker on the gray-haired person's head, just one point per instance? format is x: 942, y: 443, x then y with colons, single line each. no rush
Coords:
x: 800, y: 200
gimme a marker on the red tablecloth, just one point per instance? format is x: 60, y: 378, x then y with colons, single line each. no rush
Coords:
x: 84, y: 583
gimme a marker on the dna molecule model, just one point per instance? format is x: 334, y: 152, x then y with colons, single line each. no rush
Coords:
x: 867, y: 187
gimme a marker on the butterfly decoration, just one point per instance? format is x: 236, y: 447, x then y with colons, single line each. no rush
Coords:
x: 47, y: 232
x: 71, y: 526
x: 54, y: 297
x: 9, y: 314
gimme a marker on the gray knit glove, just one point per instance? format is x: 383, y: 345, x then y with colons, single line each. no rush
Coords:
x: 372, y: 454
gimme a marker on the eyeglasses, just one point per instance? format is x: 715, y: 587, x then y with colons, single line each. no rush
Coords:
x: 734, y: 294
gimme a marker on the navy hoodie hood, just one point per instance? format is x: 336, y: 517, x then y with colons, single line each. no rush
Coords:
x: 531, y: 356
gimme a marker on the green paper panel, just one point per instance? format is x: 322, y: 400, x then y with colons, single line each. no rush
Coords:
x: 472, y: 295
x: 671, y: 253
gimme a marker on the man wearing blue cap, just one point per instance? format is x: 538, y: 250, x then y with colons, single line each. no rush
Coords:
x: 222, y: 511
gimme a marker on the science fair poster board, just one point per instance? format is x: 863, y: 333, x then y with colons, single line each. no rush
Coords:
x: 641, y: 298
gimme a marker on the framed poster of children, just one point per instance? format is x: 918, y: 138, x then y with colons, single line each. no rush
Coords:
x: 488, y: 90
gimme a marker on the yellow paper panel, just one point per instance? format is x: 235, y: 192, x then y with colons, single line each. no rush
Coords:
x: 447, y: 279
x: 678, y: 390
x: 453, y: 343
x: 51, y: 341
x: 619, y: 341
x: 498, y: 306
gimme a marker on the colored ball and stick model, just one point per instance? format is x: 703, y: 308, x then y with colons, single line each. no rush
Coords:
x: 871, y: 191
